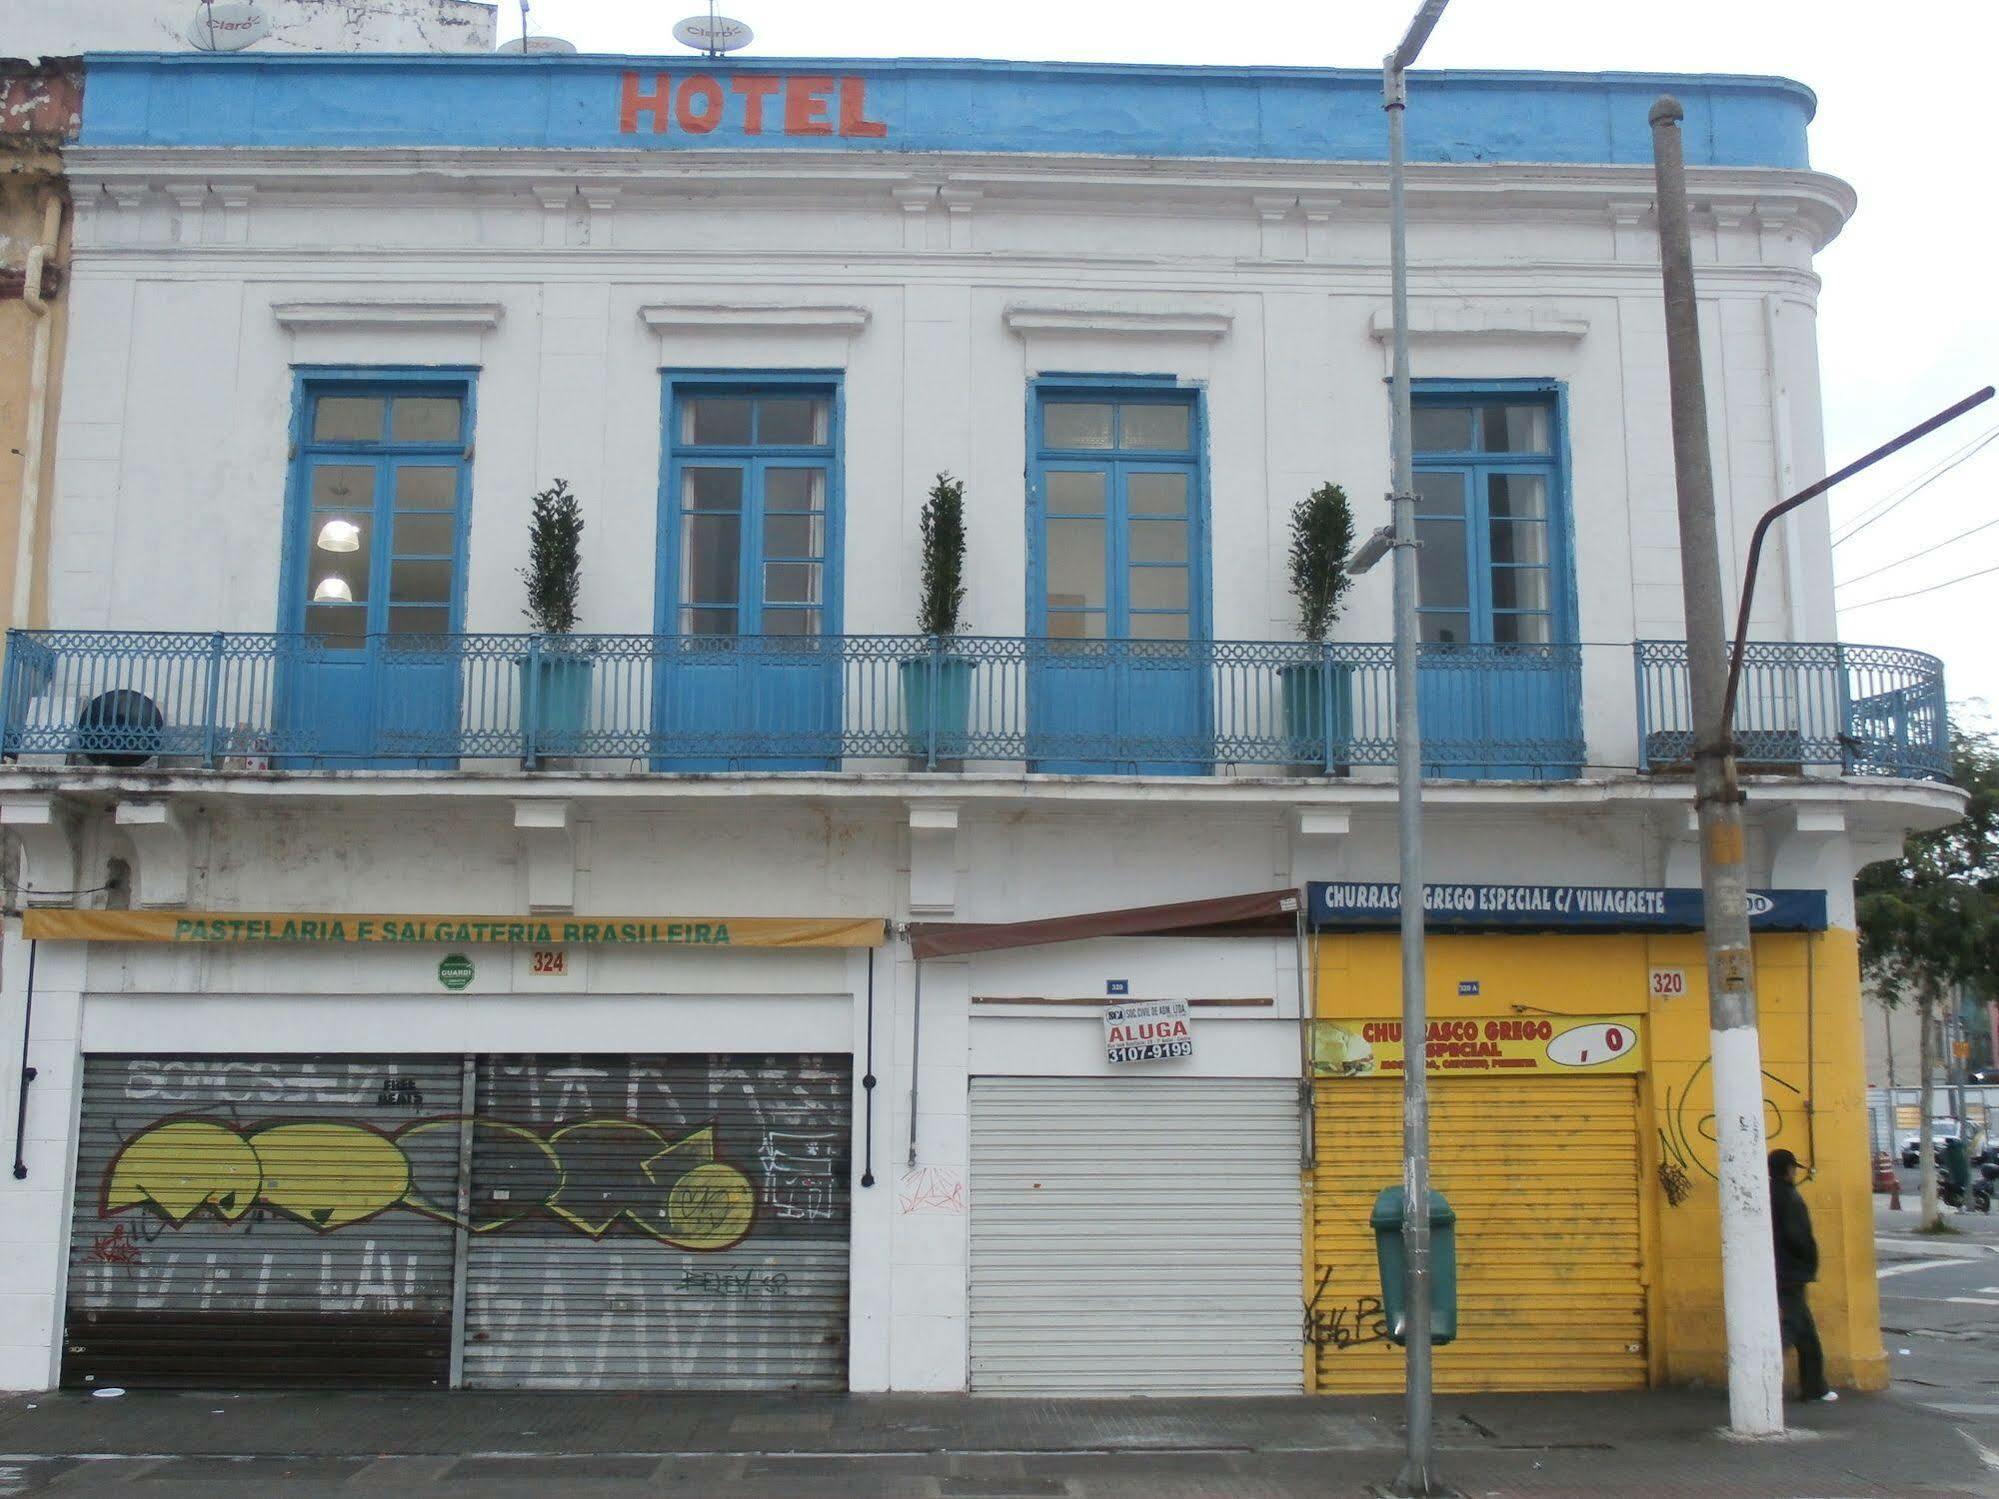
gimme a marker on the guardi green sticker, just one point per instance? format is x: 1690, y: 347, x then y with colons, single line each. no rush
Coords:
x: 455, y: 972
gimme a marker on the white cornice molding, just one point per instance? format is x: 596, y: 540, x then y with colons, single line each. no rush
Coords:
x: 1033, y: 318
x: 1510, y: 321
x: 388, y: 312
x: 754, y: 317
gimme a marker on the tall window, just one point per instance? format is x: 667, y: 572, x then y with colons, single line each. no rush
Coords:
x: 1494, y: 563
x: 752, y: 484
x: 381, y: 492
x: 1120, y: 552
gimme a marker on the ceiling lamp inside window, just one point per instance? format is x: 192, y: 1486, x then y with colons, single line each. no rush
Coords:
x: 339, y: 536
x: 333, y: 591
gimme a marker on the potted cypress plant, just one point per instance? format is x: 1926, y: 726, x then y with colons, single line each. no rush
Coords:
x: 937, y: 686
x: 555, y: 675
x: 1317, y: 696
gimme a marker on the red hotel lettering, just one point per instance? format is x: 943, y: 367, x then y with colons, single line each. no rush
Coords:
x: 755, y: 88
x: 698, y: 104
x: 710, y: 114
x: 805, y: 105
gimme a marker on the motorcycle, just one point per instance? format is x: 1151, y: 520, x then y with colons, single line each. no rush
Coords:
x: 1980, y: 1193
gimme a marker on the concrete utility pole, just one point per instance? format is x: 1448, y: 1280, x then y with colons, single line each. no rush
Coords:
x: 1749, y: 1276
x: 1416, y: 1478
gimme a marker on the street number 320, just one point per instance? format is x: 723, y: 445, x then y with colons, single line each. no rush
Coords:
x: 1669, y: 983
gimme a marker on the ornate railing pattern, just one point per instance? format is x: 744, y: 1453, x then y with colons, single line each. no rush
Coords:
x: 1867, y: 709
x: 252, y: 701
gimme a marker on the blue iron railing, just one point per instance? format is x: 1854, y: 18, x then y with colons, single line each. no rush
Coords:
x: 253, y: 701
x: 1867, y: 709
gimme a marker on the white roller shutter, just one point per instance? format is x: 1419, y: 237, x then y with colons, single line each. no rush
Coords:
x: 1136, y: 1236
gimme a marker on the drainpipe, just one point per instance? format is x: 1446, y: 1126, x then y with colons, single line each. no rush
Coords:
x: 38, y: 401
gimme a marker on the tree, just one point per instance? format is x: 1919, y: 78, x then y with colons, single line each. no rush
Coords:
x: 1321, y: 537
x: 943, y: 530
x: 1929, y: 921
x: 554, y: 574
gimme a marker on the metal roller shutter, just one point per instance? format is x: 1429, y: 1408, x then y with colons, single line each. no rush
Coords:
x: 1135, y: 1236
x: 1544, y: 1177
x: 659, y: 1223
x: 259, y: 1220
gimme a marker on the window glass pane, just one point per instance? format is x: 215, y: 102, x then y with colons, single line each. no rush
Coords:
x: 1520, y: 629
x: 1075, y: 564
x: 791, y: 583
x: 791, y: 621
x: 338, y: 487
x: 420, y: 535
x: 1158, y: 587
x: 1445, y: 629
x: 1517, y: 496
x: 1076, y: 626
x: 1158, y: 541
x: 716, y: 419
x: 344, y: 627
x: 1440, y: 564
x: 326, y: 572
x: 1440, y: 429
x: 1074, y: 493
x: 1077, y: 424
x: 708, y: 621
x: 794, y: 489
x: 420, y: 582
x: 1440, y: 493
x: 1520, y: 588
x: 1165, y: 426
x: 424, y: 419
x: 792, y: 420
x: 424, y: 487
x: 711, y: 488
x: 407, y: 620
x: 710, y: 546
x: 347, y: 419
x: 1156, y: 494
x: 1521, y: 541
x: 1516, y: 429
x: 1159, y: 627
x: 793, y: 536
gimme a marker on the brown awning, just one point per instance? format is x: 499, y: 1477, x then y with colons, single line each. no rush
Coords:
x: 1267, y: 913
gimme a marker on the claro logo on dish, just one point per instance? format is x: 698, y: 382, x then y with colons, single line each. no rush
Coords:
x: 792, y: 104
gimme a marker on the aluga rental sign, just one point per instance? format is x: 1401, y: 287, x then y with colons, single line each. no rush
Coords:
x: 1150, y: 1030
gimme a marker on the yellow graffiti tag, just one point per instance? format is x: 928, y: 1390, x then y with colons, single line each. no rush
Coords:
x: 329, y: 1175
x: 711, y: 1207
x: 181, y: 1167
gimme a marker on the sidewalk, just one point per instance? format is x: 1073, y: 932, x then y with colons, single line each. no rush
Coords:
x: 1976, y: 1235
x: 953, y: 1447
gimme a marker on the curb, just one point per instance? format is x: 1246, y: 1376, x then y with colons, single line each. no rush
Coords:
x: 1933, y: 1247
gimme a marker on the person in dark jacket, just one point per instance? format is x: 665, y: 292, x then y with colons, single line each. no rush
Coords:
x: 1797, y: 1267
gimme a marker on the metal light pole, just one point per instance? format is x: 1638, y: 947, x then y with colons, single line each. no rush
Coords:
x: 1748, y: 1269
x: 1416, y: 1478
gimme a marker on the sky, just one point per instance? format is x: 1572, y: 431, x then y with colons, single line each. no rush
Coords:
x: 1908, y: 319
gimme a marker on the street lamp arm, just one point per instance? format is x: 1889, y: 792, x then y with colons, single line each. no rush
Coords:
x: 1810, y: 492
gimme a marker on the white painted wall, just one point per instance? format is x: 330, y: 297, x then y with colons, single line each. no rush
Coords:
x: 69, y: 28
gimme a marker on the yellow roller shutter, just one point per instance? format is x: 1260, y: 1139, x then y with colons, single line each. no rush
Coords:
x: 1543, y: 1174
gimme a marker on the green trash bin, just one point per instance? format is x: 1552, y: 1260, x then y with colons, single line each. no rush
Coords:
x: 1386, y: 1220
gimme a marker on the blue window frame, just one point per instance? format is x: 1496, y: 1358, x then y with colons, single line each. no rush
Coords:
x: 1118, y: 538
x: 750, y: 507
x: 1495, y: 566
x: 374, y: 562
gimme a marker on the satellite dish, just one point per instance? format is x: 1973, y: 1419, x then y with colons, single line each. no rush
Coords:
x: 228, y: 25
x: 539, y: 46
x: 712, y: 34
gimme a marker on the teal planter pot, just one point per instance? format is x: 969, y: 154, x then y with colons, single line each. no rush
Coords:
x: 1309, y: 717
x: 937, y: 705
x: 555, y: 702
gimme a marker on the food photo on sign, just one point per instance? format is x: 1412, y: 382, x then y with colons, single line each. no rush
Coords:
x: 1552, y: 1044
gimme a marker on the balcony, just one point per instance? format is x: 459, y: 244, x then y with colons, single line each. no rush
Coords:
x: 636, y: 703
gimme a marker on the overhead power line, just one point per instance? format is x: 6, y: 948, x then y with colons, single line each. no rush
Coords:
x: 1969, y: 450
x: 1919, y: 592
x: 1913, y: 556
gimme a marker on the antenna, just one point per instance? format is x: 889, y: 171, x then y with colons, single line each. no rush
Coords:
x: 712, y: 34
